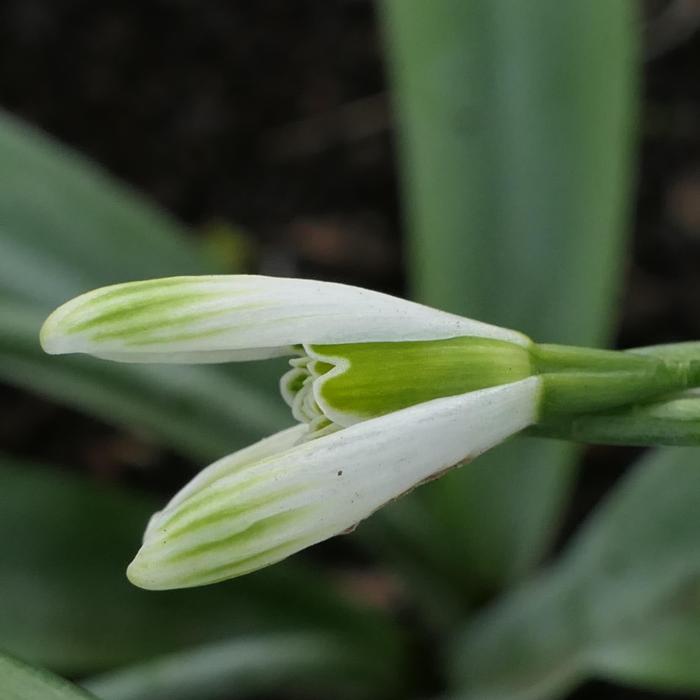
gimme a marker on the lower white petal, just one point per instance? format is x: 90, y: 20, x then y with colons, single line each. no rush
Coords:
x: 236, y: 521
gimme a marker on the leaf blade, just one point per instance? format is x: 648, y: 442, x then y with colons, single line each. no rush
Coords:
x: 18, y: 681
x: 66, y: 226
x: 239, y: 668
x: 617, y: 604
x: 490, y: 95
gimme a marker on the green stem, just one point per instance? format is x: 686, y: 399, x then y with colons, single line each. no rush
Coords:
x: 581, y: 380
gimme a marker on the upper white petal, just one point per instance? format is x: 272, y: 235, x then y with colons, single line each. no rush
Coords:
x: 252, y: 517
x: 233, y: 317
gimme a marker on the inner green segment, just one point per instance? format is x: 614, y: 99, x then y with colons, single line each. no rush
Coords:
x: 386, y: 377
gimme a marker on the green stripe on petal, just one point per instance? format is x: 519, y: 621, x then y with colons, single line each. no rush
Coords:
x: 234, y: 464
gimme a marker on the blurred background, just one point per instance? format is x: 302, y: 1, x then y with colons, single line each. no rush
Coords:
x: 268, y: 137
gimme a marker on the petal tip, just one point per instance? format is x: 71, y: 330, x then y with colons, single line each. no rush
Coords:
x: 51, y: 339
x: 142, y: 575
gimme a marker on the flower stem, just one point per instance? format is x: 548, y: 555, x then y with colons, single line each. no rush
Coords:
x: 580, y: 380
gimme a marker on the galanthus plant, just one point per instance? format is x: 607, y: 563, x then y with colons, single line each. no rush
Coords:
x: 386, y: 393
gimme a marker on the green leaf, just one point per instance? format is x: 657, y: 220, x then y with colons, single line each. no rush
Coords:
x: 66, y: 227
x: 21, y: 682
x: 242, y: 667
x: 65, y: 601
x: 622, y: 602
x: 515, y: 123
x: 666, y: 660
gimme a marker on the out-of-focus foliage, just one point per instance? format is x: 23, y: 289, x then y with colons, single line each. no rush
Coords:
x: 21, y: 682
x: 65, y: 601
x: 66, y: 227
x: 249, y: 665
x: 623, y: 601
x: 514, y: 121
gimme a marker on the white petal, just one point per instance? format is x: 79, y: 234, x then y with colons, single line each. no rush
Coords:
x: 188, y: 357
x: 266, y: 511
x: 221, y: 318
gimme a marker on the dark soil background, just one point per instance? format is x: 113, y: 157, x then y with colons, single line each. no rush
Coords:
x: 272, y: 118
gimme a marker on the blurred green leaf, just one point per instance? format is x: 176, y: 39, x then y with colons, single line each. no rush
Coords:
x: 240, y: 668
x: 21, y: 682
x: 65, y: 601
x: 623, y: 602
x: 66, y: 227
x: 666, y: 660
x: 515, y: 123
x: 407, y: 535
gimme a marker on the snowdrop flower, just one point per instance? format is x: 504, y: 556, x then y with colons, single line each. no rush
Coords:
x: 387, y: 394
